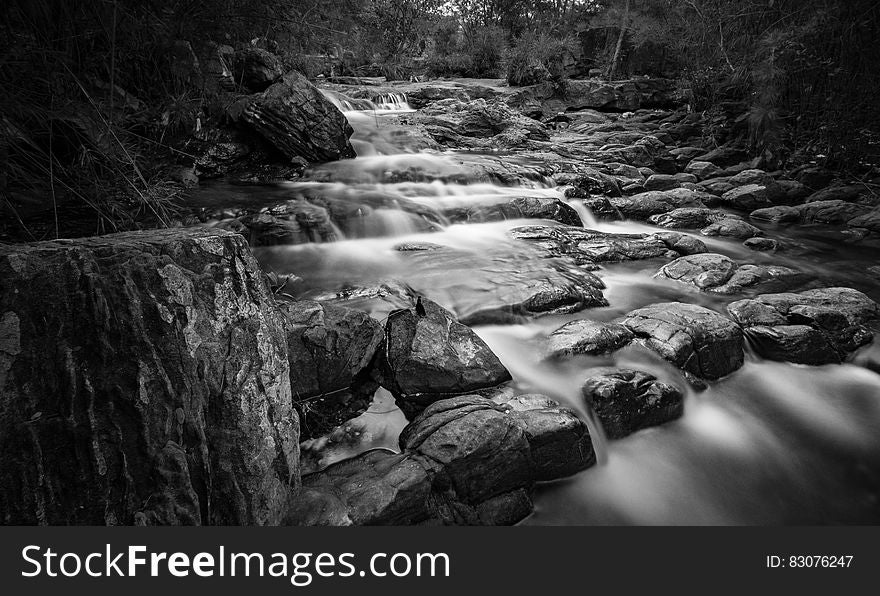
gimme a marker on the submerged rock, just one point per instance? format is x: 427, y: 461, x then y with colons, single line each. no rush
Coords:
x: 427, y: 356
x: 695, y: 339
x: 145, y: 380
x: 813, y: 327
x: 628, y: 400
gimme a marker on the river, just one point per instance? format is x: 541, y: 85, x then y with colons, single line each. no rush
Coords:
x: 772, y: 443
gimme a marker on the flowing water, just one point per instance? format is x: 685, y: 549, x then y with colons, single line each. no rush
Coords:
x: 771, y: 443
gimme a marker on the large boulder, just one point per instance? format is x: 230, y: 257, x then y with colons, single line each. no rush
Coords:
x: 143, y: 380
x: 330, y: 349
x: 814, y: 327
x: 695, y: 339
x: 628, y: 400
x: 464, y: 461
x: 255, y: 68
x: 297, y: 120
x: 427, y: 355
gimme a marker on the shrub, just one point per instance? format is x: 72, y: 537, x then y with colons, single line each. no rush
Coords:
x: 537, y: 57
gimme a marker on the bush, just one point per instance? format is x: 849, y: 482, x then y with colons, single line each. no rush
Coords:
x: 476, y: 52
x: 537, y: 58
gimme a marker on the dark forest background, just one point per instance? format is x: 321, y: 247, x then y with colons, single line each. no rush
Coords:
x: 98, y: 97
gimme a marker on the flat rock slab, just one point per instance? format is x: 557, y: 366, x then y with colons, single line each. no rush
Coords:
x: 819, y: 326
x: 628, y: 400
x: 711, y: 272
x: 143, y: 380
x: 695, y: 339
x: 590, y: 247
x: 643, y: 205
x: 518, y: 208
x: 584, y: 337
x: 464, y: 461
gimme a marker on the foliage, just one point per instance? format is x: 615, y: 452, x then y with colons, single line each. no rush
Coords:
x: 537, y: 56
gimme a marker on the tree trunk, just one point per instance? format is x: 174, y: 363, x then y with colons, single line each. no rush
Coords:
x: 612, y: 68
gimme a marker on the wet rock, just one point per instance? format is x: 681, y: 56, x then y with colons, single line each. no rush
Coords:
x: 718, y: 274
x: 731, y: 227
x: 687, y: 217
x: 703, y: 170
x: 695, y: 339
x: 416, y: 246
x: 295, y: 118
x: 329, y: 348
x: 478, y: 124
x: 293, y: 222
x: 685, y: 155
x: 762, y: 244
x: 518, y: 208
x: 724, y: 156
x: 427, y: 356
x: 374, y: 488
x: 812, y: 327
x: 587, y: 246
x: 513, y: 282
x: 463, y: 461
x: 683, y: 244
x: 869, y: 221
x: 628, y: 400
x: 145, y: 381
x: 848, y: 192
x: 814, y: 177
x: 747, y: 198
x: 255, y: 69
x: 716, y: 186
x: 586, y: 337
x: 601, y: 208
x: 589, y: 182
x: 559, y: 442
x: 834, y: 212
x: 643, y: 205
x: 705, y: 271
x: 662, y: 182
x: 795, y: 192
